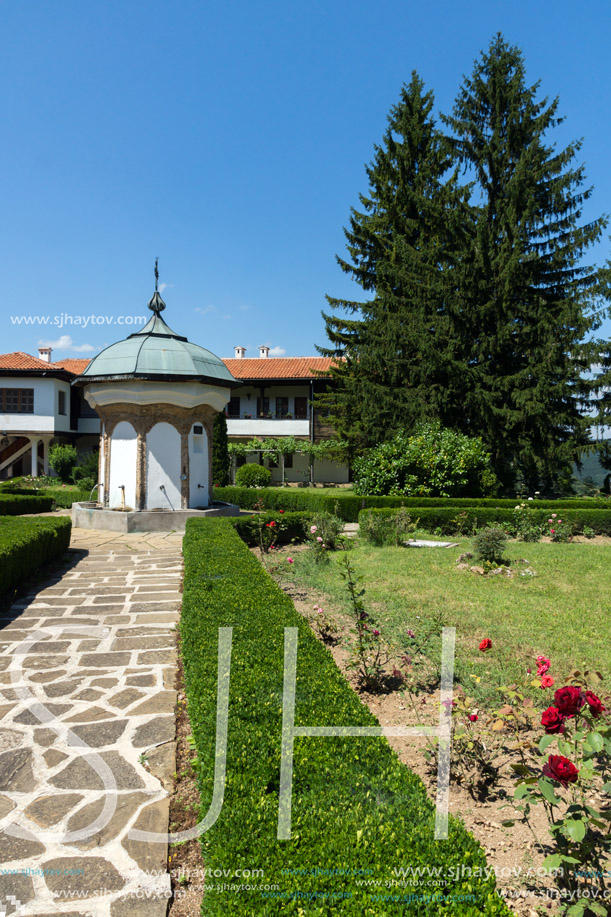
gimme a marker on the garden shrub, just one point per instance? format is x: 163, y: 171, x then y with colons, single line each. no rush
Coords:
x: 432, y: 461
x: 289, y: 526
x: 85, y: 474
x: 386, y: 528
x: 328, y: 527
x: 251, y: 475
x: 62, y: 460
x: 490, y: 544
x: 14, y: 504
x: 354, y: 804
x: 25, y: 544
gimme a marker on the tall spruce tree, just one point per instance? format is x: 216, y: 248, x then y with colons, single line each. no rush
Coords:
x: 527, y: 296
x: 402, y: 349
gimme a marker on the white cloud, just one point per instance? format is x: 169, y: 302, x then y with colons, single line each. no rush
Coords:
x: 277, y: 351
x: 164, y: 286
x: 205, y: 310
x: 66, y: 344
x: 244, y: 308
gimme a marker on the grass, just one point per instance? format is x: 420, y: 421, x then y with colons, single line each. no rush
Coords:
x: 562, y: 612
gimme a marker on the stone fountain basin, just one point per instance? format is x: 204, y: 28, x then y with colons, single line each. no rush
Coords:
x: 88, y: 515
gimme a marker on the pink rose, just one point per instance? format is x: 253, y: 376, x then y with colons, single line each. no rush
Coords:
x: 290, y: 560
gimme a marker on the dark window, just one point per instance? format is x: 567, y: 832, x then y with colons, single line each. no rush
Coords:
x: 240, y: 460
x: 262, y: 407
x: 233, y: 408
x: 198, y: 430
x: 288, y: 461
x: 17, y: 400
x: 282, y: 406
x: 62, y: 402
x: 301, y: 407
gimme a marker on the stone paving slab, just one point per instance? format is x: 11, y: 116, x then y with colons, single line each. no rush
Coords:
x: 80, y: 711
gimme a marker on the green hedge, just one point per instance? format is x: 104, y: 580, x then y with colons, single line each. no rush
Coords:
x: 12, y: 504
x: 355, y: 806
x: 64, y: 498
x: 349, y: 505
x: 289, y: 526
x: 22, y: 491
x: 25, y: 544
x: 444, y: 519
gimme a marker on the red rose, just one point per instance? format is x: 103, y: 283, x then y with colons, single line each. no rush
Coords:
x: 594, y: 703
x: 473, y: 717
x: 280, y: 510
x: 547, y: 681
x: 561, y: 769
x: 553, y: 720
x: 569, y: 700
x: 485, y: 644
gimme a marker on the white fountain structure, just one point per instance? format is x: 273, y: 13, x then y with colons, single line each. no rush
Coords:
x: 156, y: 395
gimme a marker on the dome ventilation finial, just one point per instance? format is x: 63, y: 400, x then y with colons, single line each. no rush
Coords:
x: 156, y: 303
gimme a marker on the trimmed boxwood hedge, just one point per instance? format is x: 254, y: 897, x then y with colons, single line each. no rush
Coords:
x: 13, y: 504
x: 289, y: 526
x: 444, y: 519
x: 349, y: 505
x: 25, y: 544
x: 355, y: 806
x: 64, y: 498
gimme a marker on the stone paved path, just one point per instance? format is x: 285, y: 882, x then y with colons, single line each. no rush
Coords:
x: 105, y: 682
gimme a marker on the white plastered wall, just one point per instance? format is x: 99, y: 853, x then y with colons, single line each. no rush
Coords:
x: 123, y: 466
x: 163, y: 467
x: 198, y: 468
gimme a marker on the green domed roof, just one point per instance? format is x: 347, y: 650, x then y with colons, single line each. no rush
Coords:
x: 158, y: 352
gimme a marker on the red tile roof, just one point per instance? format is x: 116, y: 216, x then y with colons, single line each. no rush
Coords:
x: 251, y: 368
x: 278, y: 367
x: 73, y: 366
x: 20, y: 360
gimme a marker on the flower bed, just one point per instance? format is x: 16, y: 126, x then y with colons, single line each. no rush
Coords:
x: 449, y: 520
x: 25, y: 544
x: 355, y: 806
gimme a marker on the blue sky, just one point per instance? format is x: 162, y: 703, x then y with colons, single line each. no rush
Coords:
x: 230, y: 140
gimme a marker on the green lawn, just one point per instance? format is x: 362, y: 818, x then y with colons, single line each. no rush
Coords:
x: 563, y: 613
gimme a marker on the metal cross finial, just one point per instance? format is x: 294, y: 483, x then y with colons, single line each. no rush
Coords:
x: 156, y: 303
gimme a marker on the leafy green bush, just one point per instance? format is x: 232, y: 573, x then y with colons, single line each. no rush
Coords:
x: 220, y: 451
x: 432, y: 461
x: 62, y: 460
x: 354, y: 804
x: 86, y: 472
x: 386, y: 528
x: 490, y: 544
x: 252, y: 475
x: 25, y: 544
x: 328, y: 527
x: 14, y: 504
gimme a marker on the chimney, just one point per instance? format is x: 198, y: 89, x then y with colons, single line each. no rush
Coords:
x: 239, y: 352
x: 263, y: 352
x: 44, y: 353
